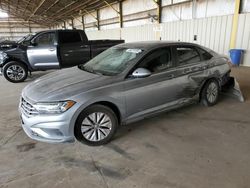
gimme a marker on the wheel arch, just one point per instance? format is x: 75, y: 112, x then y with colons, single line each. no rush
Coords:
x: 110, y: 105
x: 77, y: 129
x: 16, y: 60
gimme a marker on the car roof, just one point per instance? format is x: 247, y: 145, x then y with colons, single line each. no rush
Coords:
x: 147, y: 45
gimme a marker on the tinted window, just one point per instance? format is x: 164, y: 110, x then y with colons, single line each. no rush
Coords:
x: 157, y: 61
x: 66, y: 37
x: 187, y: 55
x: 45, y: 39
x: 205, y: 55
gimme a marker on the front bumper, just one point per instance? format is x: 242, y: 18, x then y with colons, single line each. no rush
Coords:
x: 48, y: 128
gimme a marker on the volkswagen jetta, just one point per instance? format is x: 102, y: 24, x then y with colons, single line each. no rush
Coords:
x: 124, y: 84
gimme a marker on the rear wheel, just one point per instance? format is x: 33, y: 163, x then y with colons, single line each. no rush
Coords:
x: 15, y: 72
x: 96, y: 125
x: 210, y: 93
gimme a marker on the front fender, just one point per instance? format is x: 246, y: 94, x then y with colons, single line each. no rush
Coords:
x: 83, y: 106
x: 9, y: 59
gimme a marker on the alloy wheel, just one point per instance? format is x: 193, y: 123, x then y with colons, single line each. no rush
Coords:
x: 15, y: 72
x: 96, y: 126
x: 212, y: 92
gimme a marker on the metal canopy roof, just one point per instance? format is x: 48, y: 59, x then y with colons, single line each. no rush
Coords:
x: 50, y: 12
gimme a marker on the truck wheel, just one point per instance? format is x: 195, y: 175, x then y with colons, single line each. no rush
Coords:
x: 210, y: 93
x: 15, y: 72
x: 96, y: 125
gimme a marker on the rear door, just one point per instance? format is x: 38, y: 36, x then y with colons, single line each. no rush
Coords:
x: 43, y: 54
x: 191, y: 69
x: 73, y: 48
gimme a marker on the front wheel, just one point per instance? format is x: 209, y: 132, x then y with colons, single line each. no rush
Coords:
x: 210, y: 93
x: 15, y: 72
x: 96, y: 125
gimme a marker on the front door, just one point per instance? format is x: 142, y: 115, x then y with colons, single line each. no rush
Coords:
x: 156, y: 92
x: 42, y: 55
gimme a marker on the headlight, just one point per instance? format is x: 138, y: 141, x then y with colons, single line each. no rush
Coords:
x: 3, y: 56
x: 53, y: 107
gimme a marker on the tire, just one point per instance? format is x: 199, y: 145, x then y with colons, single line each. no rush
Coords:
x: 96, y: 125
x: 15, y: 72
x: 210, y: 93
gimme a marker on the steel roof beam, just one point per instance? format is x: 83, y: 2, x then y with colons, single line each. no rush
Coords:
x: 37, y: 8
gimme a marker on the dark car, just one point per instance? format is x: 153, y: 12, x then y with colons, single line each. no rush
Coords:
x: 53, y: 49
x: 124, y: 84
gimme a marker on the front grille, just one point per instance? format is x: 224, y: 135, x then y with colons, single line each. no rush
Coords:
x: 27, y: 108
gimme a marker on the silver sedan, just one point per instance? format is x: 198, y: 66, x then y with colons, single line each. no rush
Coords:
x: 124, y: 84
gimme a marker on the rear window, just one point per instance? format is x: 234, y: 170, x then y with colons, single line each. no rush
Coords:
x: 187, y: 55
x: 205, y: 55
x: 67, y: 37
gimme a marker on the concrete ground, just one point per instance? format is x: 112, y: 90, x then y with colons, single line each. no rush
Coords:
x: 192, y: 147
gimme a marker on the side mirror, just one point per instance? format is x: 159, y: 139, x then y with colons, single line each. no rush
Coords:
x: 141, y: 73
x: 33, y: 43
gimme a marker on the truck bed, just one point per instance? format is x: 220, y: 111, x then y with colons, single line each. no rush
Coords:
x: 98, y: 46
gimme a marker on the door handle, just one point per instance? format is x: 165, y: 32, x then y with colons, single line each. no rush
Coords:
x: 84, y: 46
x: 205, y: 67
x: 51, y: 49
x: 170, y: 76
x: 196, y: 68
x: 187, y: 70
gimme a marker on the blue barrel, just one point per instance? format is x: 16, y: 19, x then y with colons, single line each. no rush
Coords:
x: 236, y: 56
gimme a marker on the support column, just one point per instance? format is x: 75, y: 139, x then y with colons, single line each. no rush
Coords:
x: 235, y: 24
x: 30, y: 28
x: 83, y: 24
x: 159, y: 10
x: 98, y: 19
x: 159, y: 18
x: 72, y: 23
x: 121, y: 14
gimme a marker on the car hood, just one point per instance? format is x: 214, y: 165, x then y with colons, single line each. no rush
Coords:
x: 8, y: 45
x: 63, y: 85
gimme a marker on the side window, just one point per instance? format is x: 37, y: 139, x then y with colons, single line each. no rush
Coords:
x: 66, y: 37
x: 158, y: 61
x: 205, y: 55
x: 187, y: 55
x: 46, y: 39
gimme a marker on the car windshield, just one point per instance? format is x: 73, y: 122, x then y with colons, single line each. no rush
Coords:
x: 112, y: 61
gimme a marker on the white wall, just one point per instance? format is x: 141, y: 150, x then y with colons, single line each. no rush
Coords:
x: 210, y: 20
x: 212, y: 32
x: 202, y: 9
x: 12, y: 28
x: 243, y: 37
x: 246, y: 5
x: 141, y: 9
